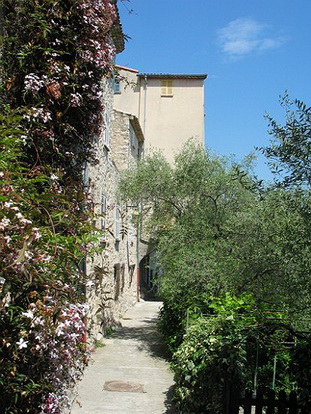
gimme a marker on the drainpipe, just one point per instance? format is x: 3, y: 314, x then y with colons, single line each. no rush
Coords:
x: 145, y: 105
x: 139, y: 223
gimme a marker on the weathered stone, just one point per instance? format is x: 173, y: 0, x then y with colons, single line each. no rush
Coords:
x: 114, y: 269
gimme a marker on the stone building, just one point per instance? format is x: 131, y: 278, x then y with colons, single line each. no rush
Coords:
x: 142, y: 112
x: 170, y: 107
x: 113, y: 270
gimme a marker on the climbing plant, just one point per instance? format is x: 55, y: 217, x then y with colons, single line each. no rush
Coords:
x: 54, y: 55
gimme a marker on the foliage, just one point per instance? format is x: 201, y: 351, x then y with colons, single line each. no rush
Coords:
x: 216, y: 233
x: 219, y: 234
x: 290, y: 149
x: 43, y: 238
x: 301, y: 369
x: 219, y: 353
x: 53, y: 57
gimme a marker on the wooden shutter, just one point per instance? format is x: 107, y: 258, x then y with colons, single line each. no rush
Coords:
x: 167, y: 87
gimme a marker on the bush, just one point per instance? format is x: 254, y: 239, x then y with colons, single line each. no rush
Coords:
x: 43, y: 239
x: 219, y: 351
x: 300, y: 367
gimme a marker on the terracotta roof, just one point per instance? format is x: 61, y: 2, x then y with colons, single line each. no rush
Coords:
x: 172, y: 76
x: 127, y: 69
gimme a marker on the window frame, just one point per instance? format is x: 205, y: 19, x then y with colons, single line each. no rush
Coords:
x: 116, y: 86
x: 167, y: 88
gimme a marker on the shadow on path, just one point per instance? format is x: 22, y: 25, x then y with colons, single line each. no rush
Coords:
x: 147, y: 338
x: 146, y: 335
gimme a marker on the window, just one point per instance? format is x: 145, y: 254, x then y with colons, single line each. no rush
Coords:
x: 133, y: 138
x: 116, y: 281
x: 166, y: 87
x: 122, y: 277
x: 116, y: 86
x: 131, y: 273
x: 105, y: 154
x: 107, y: 129
x: 86, y: 178
x: 103, y: 211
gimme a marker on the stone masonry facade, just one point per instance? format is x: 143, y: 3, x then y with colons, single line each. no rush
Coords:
x: 114, y: 269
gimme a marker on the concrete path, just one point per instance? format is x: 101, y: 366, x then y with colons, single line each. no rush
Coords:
x: 130, y: 374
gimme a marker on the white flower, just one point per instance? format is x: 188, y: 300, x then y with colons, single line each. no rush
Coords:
x: 8, y: 204
x: 25, y: 221
x: 75, y: 99
x: 37, y: 321
x: 28, y: 314
x: 22, y: 343
x: 7, y: 239
x: 4, y: 223
x: 35, y: 233
x: 33, y: 82
x: 54, y: 177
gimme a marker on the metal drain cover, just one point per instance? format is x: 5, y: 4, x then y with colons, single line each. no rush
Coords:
x: 123, y: 386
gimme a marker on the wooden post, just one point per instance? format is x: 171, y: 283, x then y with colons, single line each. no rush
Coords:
x: 292, y: 403
x: 271, y: 402
x: 248, y: 402
x: 259, y: 401
x: 282, y: 402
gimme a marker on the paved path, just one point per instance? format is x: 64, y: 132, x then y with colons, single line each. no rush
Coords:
x: 133, y: 357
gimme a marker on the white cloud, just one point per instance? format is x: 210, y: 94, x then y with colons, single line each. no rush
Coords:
x: 244, y: 36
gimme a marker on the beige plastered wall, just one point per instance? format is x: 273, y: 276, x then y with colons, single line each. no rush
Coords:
x: 170, y: 121
x: 167, y: 121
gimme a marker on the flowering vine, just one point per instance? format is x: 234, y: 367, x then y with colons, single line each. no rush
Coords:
x: 54, y: 55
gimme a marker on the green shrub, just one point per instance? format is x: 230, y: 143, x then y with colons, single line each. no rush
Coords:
x: 219, y: 352
x: 301, y: 369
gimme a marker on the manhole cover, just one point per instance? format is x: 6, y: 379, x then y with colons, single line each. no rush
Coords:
x: 123, y: 386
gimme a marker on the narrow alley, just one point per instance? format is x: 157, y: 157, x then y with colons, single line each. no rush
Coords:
x: 129, y: 374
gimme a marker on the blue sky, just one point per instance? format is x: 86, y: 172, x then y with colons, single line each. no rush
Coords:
x: 252, y: 51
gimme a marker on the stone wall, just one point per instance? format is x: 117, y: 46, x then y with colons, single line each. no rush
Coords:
x: 114, y: 269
